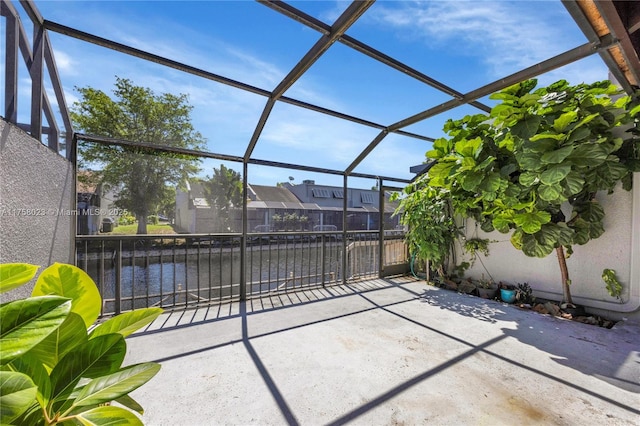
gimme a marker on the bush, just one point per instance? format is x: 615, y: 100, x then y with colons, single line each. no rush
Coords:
x: 52, y: 369
x: 153, y: 219
x: 126, y: 220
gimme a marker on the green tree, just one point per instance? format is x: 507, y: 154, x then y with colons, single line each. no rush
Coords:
x: 141, y: 177
x: 534, y: 165
x: 224, y: 193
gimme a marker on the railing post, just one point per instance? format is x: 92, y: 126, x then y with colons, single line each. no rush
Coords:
x: 345, y: 206
x: 380, y: 229
x: 243, y: 238
x: 323, y: 253
x: 118, y: 283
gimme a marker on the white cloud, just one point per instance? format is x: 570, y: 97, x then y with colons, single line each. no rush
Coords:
x: 64, y: 63
x: 506, y: 36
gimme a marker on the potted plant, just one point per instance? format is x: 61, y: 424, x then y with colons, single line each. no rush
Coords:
x: 487, y: 289
x: 524, y: 294
x: 507, y: 293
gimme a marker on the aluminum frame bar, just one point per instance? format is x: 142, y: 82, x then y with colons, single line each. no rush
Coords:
x: 298, y: 15
x: 557, y: 61
x: 344, y: 21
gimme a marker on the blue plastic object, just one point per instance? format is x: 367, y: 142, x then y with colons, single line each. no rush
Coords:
x: 507, y: 295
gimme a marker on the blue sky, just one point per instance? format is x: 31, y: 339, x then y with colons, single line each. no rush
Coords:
x: 464, y: 45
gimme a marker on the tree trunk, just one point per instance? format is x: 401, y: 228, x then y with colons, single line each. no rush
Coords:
x: 142, y: 224
x: 562, y: 261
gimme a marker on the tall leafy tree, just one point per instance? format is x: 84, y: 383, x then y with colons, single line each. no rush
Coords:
x: 224, y: 193
x: 534, y: 165
x: 142, y: 178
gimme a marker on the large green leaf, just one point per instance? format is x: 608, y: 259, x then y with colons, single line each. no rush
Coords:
x: 529, y: 178
x: 470, y: 180
x: 574, y: 183
x: 72, y: 282
x: 588, y: 155
x: 130, y: 403
x: 516, y: 239
x: 548, y: 137
x: 108, y: 416
x: 17, y: 394
x: 502, y: 222
x: 533, y: 248
x: 32, y: 367
x: 441, y: 170
x: 586, y: 231
x: 561, y: 123
x: 14, y: 275
x: 26, y: 322
x: 579, y: 134
x: 127, y: 323
x: 527, y: 127
x: 590, y: 211
x: 531, y: 222
x: 555, y: 174
x: 468, y: 147
x: 557, y: 156
x: 529, y: 161
x: 72, y: 332
x: 97, y: 357
x: 551, y: 193
x: 491, y: 182
x: 107, y: 388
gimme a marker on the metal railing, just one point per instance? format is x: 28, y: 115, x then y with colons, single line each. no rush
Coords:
x: 180, y: 271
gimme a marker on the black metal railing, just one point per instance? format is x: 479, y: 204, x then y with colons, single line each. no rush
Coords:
x: 182, y: 271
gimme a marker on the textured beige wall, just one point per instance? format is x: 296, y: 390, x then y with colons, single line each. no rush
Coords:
x: 35, y: 184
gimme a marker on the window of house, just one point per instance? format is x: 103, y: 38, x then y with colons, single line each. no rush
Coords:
x: 338, y: 193
x: 321, y: 193
x: 366, y: 198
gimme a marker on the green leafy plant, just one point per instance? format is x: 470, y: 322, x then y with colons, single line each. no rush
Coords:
x: 524, y: 294
x: 52, y: 369
x: 534, y: 165
x: 613, y: 285
x: 432, y: 229
x: 486, y: 283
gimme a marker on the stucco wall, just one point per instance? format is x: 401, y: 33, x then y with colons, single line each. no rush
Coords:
x: 618, y: 248
x: 35, y: 185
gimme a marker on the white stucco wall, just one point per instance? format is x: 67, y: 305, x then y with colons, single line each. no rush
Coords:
x: 618, y: 249
x: 36, y: 185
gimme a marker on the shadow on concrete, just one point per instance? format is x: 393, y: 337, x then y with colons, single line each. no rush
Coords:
x: 613, y: 355
x: 575, y: 345
x: 182, y: 318
x: 493, y: 311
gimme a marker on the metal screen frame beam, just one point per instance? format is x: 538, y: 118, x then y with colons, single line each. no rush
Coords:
x: 344, y: 21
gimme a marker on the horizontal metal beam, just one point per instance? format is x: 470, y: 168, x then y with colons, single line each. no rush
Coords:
x: 316, y: 24
x: 122, y: 48
x: 236, y: 159
x: 154, y: 147
x: 558, y: 61
x: 348, y: 117
x: 93, y: 39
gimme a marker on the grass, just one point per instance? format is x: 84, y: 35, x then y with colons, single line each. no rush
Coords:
x: 164, y: 228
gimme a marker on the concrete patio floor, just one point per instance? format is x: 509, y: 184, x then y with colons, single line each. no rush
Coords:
x: 385, y: 352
